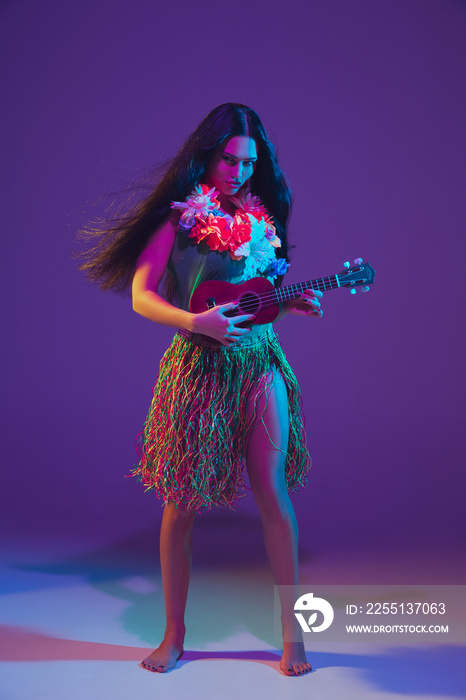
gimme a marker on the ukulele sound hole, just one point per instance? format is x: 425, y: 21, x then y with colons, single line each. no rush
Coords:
x: 249, y: 303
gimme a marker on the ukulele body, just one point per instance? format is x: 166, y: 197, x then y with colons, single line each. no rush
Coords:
x: 256, y: 296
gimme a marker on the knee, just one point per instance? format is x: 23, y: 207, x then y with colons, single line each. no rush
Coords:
x: 274, y: 503
x: 179, y: 517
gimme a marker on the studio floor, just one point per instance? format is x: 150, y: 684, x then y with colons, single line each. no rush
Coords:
x: 76, y: 626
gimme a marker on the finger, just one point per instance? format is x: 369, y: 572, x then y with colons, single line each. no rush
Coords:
x: 311, y: 302
x: 310, y: 297
x: 242, y: 319
x: 227, y: 307
x: 313, y: 292
x: 312, y: 308
x: 238, y: 331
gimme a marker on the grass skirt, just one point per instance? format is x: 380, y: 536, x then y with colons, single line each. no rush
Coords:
x: 192, y: 448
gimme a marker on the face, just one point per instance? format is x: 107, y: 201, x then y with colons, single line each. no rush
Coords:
x: 232, y: 164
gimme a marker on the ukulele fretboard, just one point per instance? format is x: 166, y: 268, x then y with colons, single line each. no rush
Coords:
x: 292, y: 291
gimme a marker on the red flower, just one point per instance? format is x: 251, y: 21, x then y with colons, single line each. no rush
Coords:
x: 215, y: 232
x: 240, y: 231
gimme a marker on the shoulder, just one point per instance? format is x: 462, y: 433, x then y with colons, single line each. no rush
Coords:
x: 166, y: 230
x: 160, y: 243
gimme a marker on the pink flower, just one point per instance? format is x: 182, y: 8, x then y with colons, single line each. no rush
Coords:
x: 251, y: 205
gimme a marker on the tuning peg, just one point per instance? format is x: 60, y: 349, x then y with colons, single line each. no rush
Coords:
x: 352, y: 291
x: 346, y: 264
x: 358, y: 261
x: 365, y: 288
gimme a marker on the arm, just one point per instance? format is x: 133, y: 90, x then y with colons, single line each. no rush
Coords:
x: 146, y: 302
x: 150, y: 269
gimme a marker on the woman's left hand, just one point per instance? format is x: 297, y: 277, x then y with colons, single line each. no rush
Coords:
x: 307, y: 304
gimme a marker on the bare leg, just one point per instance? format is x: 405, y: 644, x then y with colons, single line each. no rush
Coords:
x: 266, y: 469
x: 176, y: 541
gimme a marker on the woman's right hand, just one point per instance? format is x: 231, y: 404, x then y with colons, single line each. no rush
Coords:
x: 217, y: 325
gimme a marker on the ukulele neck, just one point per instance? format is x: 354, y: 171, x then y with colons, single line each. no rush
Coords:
x: 293, y: 291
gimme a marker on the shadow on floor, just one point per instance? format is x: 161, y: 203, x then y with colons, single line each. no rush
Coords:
x: 425, y: 672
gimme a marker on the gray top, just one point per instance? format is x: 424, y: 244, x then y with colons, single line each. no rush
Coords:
x: 191, y: 263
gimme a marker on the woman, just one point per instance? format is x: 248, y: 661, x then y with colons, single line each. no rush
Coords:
x: 225, y: 396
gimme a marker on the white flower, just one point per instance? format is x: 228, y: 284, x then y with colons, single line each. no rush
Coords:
x: 258, y: 251
x: 201, y: 202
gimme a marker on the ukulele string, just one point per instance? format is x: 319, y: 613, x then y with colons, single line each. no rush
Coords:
x: 273, y: 296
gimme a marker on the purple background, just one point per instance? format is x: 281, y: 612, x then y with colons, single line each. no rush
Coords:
x: 366, y: 103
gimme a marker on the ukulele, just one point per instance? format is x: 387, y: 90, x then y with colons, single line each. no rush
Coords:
x: 258, y: 296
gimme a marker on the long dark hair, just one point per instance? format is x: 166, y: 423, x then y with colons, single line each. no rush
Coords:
x: 117, y: 244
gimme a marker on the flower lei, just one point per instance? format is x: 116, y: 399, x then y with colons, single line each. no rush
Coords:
x: 249, y: 234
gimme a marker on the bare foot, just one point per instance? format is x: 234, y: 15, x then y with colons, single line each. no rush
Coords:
x: 293, y: 661
x: 164, y: 657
